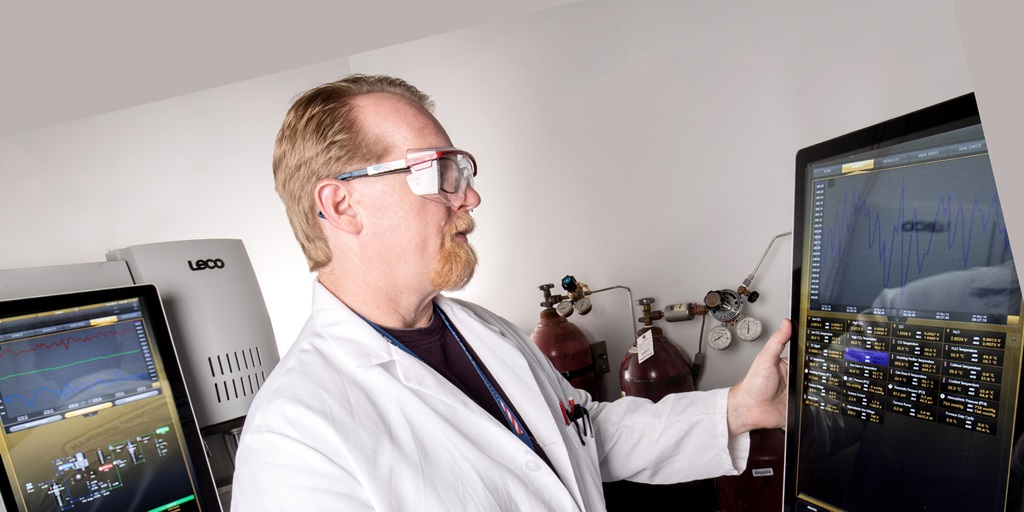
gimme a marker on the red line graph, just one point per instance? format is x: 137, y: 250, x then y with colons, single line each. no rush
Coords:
x: 66, y: 342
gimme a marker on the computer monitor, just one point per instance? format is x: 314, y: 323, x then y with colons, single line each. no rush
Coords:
x: 906, y: 354
x: 94, y: 414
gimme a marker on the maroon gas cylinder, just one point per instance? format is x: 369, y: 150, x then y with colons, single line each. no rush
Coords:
x: 568, y: 349
x: 760, y: 486
x: 667, y: 371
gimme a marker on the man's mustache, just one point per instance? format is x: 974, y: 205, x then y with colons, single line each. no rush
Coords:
x: 463, y: 224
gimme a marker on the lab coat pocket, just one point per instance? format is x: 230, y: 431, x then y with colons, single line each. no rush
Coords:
x: 580, y: 435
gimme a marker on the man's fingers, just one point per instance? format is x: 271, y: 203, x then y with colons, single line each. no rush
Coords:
x: 777, y: 342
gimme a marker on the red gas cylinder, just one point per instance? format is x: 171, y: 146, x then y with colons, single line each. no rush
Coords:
x: 667, y: 371
x: 760, y: 486
x: 568, y: 349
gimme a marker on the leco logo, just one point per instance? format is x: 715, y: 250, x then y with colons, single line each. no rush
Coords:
x: 205, y: 264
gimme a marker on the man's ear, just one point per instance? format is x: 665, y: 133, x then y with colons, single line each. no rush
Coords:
x: 334, y: 198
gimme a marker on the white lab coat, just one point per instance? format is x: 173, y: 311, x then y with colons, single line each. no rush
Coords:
x: 349, y: 422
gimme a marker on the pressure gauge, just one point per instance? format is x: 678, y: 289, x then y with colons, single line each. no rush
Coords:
x: 583, y: 306
x: 748, y: 328
x: 564, y: 309
x: 720, y: 337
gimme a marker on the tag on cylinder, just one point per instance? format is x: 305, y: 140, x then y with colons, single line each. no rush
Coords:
x: 645, y: 346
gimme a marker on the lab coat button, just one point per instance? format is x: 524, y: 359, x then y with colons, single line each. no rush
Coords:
x: 532, y: 465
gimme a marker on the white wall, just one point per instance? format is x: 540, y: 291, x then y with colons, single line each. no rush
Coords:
x: 642, y: 143
x: 195, y: 166
x: 651, y: 143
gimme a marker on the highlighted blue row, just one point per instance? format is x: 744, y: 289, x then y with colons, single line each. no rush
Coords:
x: 859, y: 355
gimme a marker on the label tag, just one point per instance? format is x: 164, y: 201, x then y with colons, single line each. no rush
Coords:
x: 645, y: 346
x: 762, y: 472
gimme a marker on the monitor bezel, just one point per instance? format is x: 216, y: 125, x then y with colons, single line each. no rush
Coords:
x: 199, y: 467
x: 949, y: 115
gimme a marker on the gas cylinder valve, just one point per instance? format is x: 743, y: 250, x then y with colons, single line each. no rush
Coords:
x: 649, y: 315
x: 751, y: 295
x: 550, y: 300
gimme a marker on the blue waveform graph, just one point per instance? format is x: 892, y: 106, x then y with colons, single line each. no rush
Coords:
x: 920, y: 238
x: 952, y: 223
x: 67, y: 392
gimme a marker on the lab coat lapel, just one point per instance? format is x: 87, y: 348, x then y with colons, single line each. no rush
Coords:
x: 512, y: 371
x: 418, y: 376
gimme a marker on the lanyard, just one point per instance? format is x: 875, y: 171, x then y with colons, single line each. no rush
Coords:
x: 513, y: 422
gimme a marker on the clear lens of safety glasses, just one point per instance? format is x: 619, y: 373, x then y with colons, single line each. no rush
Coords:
x: 441, y: 175
x: 455, y: 175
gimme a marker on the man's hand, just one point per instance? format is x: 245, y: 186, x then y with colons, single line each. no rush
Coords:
x: 759, y: 400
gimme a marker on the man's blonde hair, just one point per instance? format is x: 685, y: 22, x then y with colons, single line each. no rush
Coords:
x: 322, y: 137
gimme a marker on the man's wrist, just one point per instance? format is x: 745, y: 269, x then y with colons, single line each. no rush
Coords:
x: 735, y: 415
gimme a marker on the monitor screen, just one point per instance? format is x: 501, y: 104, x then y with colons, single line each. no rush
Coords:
x: 93, y: 410
x: 906, y: 353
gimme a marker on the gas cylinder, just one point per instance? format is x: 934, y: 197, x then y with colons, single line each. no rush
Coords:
x: 568, y: 349
x: 760, y: 486
x: 667, y: 371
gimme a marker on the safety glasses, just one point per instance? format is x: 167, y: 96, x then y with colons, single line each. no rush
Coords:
x: 438, y: 174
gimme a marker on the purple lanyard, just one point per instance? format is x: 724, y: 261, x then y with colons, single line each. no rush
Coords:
x: 514, y: 425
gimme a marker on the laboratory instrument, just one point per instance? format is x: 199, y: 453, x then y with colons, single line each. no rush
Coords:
x: 215, y: 311
x: 906, y: 349
x: 94, y: 411
x: 221, y: 327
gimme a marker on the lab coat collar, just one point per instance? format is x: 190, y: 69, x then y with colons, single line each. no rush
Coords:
x: 364, y: 345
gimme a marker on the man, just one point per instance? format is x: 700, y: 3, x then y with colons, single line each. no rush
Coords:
x: 397, y: 398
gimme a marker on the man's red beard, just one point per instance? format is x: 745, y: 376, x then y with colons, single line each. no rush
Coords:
x: 457, y: 261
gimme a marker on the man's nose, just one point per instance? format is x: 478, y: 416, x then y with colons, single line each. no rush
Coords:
x: 472, y: 199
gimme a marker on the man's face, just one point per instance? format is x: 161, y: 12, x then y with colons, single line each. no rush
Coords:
x: 421, y: 242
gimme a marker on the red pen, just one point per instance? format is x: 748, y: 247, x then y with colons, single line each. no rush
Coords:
x: 565, y: 416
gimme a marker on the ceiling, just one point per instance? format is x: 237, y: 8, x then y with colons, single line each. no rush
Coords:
x: 70, y: 60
